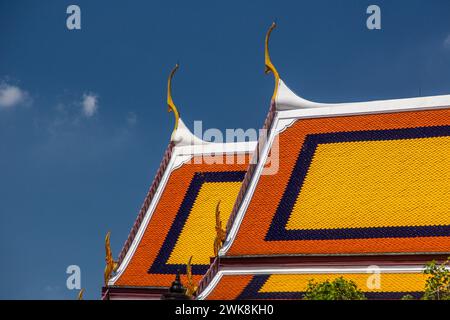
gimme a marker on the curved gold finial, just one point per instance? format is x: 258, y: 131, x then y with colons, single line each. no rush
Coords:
x: 220, y: 233
x: 190, y: 287
x: 111, y: 265
x: 170, y: 104
x: 80, y: 294
x: 269, y: 67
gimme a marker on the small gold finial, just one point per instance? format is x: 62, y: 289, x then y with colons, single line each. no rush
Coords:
x: 190, y: 287
x: 269, y: 67
x: 220, y: 233
x: 111, y: 265
x: 80, y: 294
x: 170, y: 104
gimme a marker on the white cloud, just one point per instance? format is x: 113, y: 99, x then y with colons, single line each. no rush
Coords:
x: 131, y: 118
x: 447, y: 42
x: 12, y: 96
x: 90, y: 104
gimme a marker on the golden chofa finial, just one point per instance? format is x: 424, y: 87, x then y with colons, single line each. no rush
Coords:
x: 111, y: 265
x: 190, y: 286
x: 220, y: 233
x: 170, y: 104
x: 80, y: 294
x: 269, y: 67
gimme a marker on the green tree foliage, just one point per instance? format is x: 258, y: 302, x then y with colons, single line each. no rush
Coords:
x: 339, y: 289
x: 437, y: 286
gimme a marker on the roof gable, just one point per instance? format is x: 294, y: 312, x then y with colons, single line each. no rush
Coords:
x: 266, y: 225
x: 176, y: 220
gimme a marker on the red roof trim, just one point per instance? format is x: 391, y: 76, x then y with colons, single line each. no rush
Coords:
x: 314, y: 261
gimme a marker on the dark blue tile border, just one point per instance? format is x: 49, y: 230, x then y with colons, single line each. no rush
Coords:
x: 251, y: 292
x: 278, y: 231
x: 160, y: 264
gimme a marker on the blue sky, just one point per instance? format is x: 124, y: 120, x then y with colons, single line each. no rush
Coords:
x: 83, y: 120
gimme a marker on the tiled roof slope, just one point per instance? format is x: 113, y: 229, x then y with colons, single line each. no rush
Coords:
x: 182, y: 221
x: 147, y: 201
x: 356, y: 184
x: 389, y: 285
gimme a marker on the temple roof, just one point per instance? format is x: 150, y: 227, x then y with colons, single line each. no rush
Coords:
x: 286, y: 99
x: 390, y: 282
x: 346, y: 181
x: 177, y: 219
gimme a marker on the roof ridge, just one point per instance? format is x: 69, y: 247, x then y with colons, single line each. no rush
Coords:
x: 251, y: 168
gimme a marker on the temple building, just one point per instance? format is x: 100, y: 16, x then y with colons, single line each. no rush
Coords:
x: 348, y: 189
